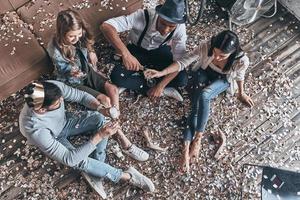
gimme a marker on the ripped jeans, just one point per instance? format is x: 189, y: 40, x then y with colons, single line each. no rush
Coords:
x: 207, y: 85
x: 85, y: 123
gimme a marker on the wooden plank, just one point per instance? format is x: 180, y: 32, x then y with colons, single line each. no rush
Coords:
x: 68, y: 177
x: 275, y: 31
x: 246, y: 151
x: 12, y: 193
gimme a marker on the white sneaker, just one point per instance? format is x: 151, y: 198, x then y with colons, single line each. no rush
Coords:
x: 137, y: 153
x: 95, y: 183
x: 173, y: 93
x: 121, y: 90
x: 139, y: 180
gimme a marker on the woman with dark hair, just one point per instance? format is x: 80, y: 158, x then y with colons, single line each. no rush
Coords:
x: 220, y: 63
x: 74, y: 58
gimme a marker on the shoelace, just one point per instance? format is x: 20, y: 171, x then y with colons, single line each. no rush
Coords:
x: 134, y: 150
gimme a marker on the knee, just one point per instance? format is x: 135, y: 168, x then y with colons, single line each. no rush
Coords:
x: 205, y: 94
x: 182, y: 79
x: 116, y: 74
x: 98, y: 119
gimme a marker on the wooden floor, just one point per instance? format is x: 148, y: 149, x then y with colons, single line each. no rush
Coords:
x: 275, y: 133
x: 272, y: 128
x: 274, y: 125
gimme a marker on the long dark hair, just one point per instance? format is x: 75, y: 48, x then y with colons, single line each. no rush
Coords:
x: 70, y: 20
x: 228, y: 42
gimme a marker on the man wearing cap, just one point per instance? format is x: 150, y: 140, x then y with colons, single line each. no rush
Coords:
x: 157, y: 38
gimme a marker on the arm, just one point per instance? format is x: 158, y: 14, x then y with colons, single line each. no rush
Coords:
x: 129, y: 61
x: 92, y: 56
x: 177, y: 66
x: 173, y: 68
x: 63, y: 67
x: 43, y: 139
x: 111, y: 34
x: 242, y: 67
x: 110, y: 30
x: 178, y: 45
x: 244, y: 98
x: 157, y: 90
x: 74, y: 95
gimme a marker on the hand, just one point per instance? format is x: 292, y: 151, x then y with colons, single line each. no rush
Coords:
x: 109, y: 129
x: 93, y: 58
x: 245, y: 99
x: 104, y: 100
x: 106, y: 131
x: 75, y: 72
x: 151, y: 73
x: 155, y: 91
x: 131, y: 63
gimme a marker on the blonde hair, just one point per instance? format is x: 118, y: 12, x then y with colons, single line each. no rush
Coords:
x: 70, y: 20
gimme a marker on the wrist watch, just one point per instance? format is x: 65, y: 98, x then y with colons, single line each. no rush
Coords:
x: 113, y: 112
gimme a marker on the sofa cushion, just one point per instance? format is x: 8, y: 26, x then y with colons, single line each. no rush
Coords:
x: 95, y: 12
x: 20, y: 54
x: 18, y: 3
x: 41, y: 17
x: 11, y: 5
x: 5, y: 6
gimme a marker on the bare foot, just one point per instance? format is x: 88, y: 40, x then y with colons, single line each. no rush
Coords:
x: 185, y: 161
x: 195, y: 148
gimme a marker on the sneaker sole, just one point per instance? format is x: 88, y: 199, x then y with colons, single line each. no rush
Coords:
x: 100, y: 191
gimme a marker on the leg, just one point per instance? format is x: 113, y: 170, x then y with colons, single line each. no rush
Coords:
x: 204, y: 97
x: 131, y: 149
x: 86, y: 123
x: 185, y: 157
x: 161, y: 58
x: 132, y: 80
x: 125, y: 143
x: 113, y: 94
x: 106, y: 92
x: 180, y: 80
x: 142, y: 55
x: 200, y: 78
x: 98, y: 168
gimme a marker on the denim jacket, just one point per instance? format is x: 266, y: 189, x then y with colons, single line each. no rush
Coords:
x: 63, y: 66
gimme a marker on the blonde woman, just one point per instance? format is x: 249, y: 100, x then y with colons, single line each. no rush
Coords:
x: 74, y: 58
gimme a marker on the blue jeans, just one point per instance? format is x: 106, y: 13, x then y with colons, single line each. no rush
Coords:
x: 85, y: 123
x: 207, y: 85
